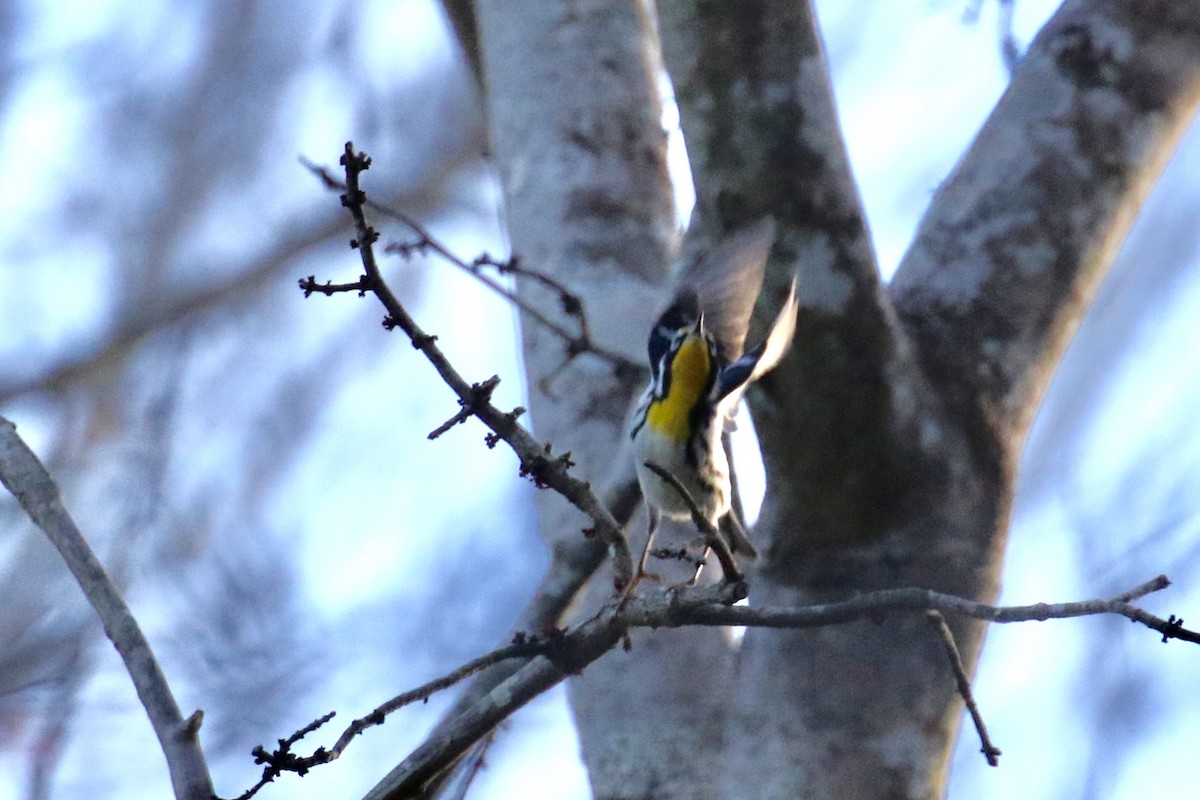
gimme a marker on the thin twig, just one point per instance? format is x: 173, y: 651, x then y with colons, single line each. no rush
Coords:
x: 480, y: 393
x: 576, y: 344
x: 23, y: 474
x: 282, y: 759
x: 310, y: 286
x: 537, y: 459
x: 570, y: 303
x: 1149, y: 587
x: 712, y: 536
x: 524, y: 649
x: 963, y: 683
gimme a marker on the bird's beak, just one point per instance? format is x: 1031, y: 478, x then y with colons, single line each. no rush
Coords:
x: 699, y: 326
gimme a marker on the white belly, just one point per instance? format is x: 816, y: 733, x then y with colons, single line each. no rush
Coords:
x: 710, y: 490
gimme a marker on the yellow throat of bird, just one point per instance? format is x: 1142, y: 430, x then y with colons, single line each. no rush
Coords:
x: 690, y: 379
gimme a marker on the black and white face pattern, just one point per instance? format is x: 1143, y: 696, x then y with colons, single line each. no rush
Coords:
x: 665, y: 342
x: 672, y: 325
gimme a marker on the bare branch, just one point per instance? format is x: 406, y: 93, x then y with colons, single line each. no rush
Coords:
x: 711, y: 605
x: 938, y: 622
x: 282, y: 759
x: 1149, y: 587
x: 480, y: 393
x: 873, y: 603
x: 23, y: 474
x: 576, y: 344
x: 310, y: 286
x: 551, y: 659
x: 537, y: 460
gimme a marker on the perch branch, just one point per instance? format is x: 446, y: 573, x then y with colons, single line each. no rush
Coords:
x: 872, y: 603
x: 563, y: 653
x: 712, y: 605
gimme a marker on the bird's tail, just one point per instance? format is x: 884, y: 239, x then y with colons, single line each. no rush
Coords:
x: 735, y: 534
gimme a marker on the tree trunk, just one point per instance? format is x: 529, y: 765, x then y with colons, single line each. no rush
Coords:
x: 891, y: 432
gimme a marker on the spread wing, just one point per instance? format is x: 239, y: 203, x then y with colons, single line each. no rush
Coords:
x: 763, y: 358
x: 726, y: 281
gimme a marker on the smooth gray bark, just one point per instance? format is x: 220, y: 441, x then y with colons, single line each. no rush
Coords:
x: 891, y: 432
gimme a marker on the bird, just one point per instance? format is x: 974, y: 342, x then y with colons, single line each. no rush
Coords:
x: 698, y: 374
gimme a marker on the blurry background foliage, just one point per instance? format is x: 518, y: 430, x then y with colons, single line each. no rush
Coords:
x: 253, y: 466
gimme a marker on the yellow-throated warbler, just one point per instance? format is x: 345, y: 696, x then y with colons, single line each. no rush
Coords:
x: 698, y: 375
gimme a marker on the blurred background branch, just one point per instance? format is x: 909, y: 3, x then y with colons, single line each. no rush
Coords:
x: 27, y: 480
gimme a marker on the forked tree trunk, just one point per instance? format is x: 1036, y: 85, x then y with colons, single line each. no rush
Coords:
x: 892, y: 431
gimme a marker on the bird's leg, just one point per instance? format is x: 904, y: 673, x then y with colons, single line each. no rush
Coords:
x: 654, y: 517
x: 735, y: 535
x: 641, y: 570
x: 700, y: 566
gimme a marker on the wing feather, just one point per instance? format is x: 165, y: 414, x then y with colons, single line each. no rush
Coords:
x: 763, y: 358
x: 726, y: 280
